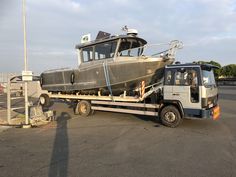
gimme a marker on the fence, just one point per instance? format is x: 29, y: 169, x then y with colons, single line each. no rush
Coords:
x: 16, y: 92
x: 226, y: 81
x: 4, y: 76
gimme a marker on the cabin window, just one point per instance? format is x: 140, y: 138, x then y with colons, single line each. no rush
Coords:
x: 135, y: 49
x: 87, y: 54
x: 105, y: 50
x: 130, y: 48
x: 124, y: 48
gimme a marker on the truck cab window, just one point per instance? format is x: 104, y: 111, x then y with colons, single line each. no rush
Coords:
x: 168, y: 77
x: 192, y: 78
x: 186, y: 77
x: 180, y: 78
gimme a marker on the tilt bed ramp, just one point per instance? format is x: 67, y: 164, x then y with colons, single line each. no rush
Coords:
x: 171, y: 113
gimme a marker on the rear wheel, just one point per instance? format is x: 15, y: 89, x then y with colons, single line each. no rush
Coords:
x: 83, y: 108
x: 44, y: 100
x: 170, y: 116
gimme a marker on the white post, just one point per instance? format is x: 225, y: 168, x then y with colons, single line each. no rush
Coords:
x: 8, y: 100
x: 24, y: 30
x: 25, y: 63
x: 26, y: 104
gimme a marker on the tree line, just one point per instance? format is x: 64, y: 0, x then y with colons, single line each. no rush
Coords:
x: 227, y: 71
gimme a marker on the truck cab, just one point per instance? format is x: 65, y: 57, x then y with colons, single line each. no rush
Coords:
x: 193, y: 89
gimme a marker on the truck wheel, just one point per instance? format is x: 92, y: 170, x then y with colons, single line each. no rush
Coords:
x: 83, y: 108
x: 170, y: 116
x: 44, y: 100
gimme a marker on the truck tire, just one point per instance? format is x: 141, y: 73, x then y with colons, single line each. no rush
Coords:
x: 44, y: 100
x: 83, y: 108
x: 170, y: 116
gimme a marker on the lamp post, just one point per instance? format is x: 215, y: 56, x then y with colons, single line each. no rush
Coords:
x: 26, y: 75
x: 24, y: 31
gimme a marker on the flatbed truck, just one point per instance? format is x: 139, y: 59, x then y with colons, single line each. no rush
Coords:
x: 186, y: 91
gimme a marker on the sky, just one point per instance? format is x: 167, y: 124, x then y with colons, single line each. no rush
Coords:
x: 206, y: 27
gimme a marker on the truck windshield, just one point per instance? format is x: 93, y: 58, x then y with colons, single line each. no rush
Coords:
x: 208, y: 78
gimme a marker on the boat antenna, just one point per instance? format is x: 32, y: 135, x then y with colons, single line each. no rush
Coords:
x: 129, y: 31
x: 125, y: 28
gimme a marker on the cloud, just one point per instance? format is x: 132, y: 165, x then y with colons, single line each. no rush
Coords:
x: 62, y: 5
x: 54, y: 27
x: 220, y: 49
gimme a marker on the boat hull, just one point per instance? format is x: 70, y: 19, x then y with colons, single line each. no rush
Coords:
x: 122, y: 75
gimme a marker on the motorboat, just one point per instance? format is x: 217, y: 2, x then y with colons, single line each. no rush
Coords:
x: 110, y: 65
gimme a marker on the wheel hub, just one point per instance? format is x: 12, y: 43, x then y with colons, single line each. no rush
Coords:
x: 170, y: 117
x: 42, y: 100
x: 83, y: 108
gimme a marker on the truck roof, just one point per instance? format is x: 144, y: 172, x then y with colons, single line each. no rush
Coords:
x: 202, y: 65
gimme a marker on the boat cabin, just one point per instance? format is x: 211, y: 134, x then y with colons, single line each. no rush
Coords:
x: 110, y: 48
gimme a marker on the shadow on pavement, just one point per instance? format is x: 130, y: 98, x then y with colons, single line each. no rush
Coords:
x: 153, y: 119
x: 60, y: 154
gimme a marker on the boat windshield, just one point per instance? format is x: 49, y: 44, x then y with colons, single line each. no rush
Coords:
x: 105, y: 50
x: 99, y: 51
x: 130, y: 47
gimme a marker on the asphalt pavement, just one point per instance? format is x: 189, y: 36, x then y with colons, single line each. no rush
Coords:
x: 122, y: 145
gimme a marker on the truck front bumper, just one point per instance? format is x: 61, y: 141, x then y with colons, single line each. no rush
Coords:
x: 212, y: 113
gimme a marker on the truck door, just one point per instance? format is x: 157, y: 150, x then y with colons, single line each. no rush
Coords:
x: 168, y: 84
x: 185, y: 87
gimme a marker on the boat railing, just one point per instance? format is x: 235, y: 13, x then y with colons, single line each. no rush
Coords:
x: 150, y: 50
x: 171, y: 51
